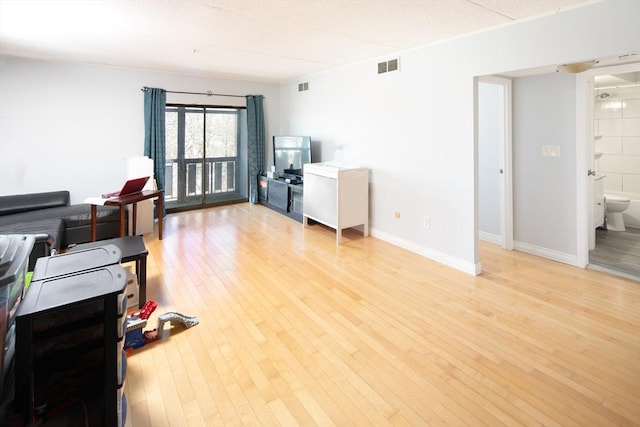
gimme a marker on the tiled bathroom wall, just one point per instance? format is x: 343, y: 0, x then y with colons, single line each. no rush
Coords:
x: 617, y: 137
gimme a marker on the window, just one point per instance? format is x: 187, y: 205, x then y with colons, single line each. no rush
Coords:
x: 206, y: 160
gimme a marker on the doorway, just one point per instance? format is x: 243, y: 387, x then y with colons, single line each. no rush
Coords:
x: 582, y: 219
x: 206, y: 156
x: 495, y: 204
x: 609, y: 120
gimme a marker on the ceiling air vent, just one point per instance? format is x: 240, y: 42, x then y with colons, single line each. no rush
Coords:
x: 388, y: 66
x: 303, y: 86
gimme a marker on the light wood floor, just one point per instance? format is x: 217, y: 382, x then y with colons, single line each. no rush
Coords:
x: 296, y: 331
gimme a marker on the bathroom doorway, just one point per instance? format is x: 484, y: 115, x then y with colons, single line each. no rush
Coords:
x: 613, y: 159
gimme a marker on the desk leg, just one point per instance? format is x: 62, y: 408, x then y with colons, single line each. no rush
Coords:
x: 94, y: 210
x: 133, y: 220
x: 141, y: 271
x: 160, y: 208
x: 122, y: 220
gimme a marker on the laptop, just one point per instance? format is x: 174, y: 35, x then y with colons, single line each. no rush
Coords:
x: 130, y: 187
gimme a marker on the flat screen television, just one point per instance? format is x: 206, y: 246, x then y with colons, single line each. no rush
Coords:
x: 290, y: 153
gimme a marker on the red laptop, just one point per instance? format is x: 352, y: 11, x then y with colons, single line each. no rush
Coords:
x: 132, y: 186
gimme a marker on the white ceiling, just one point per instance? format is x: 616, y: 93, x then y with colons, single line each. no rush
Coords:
x: 261, y: 40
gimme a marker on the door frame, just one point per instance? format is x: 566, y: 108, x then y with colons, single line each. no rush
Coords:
x: 506, y: 161
x: 207, y: 196
x: 585, y: 100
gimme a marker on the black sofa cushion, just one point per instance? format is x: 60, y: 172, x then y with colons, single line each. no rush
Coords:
x: 30, y: 202
x: 76, y: 221
x: 82, y: 234
x: 73, y: 215
x: 54, y: 228
x: 50, y: 213
x: 77, y: 215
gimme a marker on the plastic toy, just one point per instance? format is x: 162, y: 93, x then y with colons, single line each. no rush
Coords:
x: 148, y: 308
x: 136, y: 337
x: 175, y: 318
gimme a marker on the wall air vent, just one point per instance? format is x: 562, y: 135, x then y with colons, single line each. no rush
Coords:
x: 389, y: 66
x: 303, y: 86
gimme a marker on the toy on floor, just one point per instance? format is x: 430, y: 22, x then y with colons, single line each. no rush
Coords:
x: 133, y: 338
x: 148, y: 308
x: 136, y: 337
x: 174, y: 318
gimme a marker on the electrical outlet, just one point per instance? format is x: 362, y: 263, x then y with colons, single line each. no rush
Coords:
x: 427, y: 222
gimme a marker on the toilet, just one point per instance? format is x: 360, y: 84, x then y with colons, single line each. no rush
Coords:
x: 615, y: 205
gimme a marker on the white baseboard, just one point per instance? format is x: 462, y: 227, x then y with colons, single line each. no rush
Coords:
x: 547, y: 253
x: 475, y: 268
x: 446, y: 259
x: 491, y: 238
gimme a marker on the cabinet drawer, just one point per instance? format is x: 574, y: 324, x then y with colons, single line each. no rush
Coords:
x: 263, y: 186
x: 320, y: 199
x: 122, y: 366
x: 278, y: 194
x: 122, y: 407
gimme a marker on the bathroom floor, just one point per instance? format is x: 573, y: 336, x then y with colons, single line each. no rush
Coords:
x: 617, y: 251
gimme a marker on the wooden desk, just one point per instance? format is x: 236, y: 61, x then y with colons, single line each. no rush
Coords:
x: 131, y: 199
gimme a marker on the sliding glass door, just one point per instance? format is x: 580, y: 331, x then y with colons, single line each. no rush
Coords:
x: 206, y: 156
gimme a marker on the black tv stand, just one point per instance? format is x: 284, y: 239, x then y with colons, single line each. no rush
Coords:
x: 282, y: 196
x: 292, y: 172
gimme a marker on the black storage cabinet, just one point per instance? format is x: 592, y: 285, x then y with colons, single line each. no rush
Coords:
x: 14, y: 258
x: 281, y: 196
x: 69, y: 338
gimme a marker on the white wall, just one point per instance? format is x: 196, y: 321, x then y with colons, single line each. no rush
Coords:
x: 73, y: 127
x: 414, y: 128
x: 544, y: 186
x: 617, y: 137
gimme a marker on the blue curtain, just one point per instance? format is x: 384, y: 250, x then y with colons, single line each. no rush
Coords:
x: 255, y: 142
x: 155, y: 102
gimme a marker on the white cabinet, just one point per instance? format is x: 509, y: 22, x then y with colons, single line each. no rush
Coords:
x: 336, y: 196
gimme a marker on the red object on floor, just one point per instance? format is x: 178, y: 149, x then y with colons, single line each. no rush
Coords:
x: 150, y: 336
x: 148, y: 308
